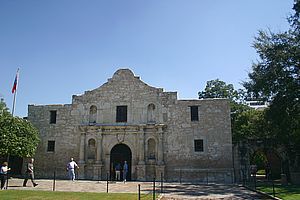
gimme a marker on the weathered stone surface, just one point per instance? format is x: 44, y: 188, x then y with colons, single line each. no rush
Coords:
x: 158, y: 131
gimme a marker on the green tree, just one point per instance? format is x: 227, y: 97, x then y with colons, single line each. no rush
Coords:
x: 3, y: 108
x: 18, y: 137
x: 218, y: 89
x: 275, y: 76
x: 251, y: 124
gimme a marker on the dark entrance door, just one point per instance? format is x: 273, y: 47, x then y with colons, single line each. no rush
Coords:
x: 119, y: 153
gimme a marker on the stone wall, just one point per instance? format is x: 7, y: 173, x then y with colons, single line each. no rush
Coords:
x: 159, y: 133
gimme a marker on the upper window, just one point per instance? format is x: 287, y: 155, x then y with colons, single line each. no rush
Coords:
x: 51, y: 146
x: 198, y: 145
x: 121, y: 114
x: 194, y: 113
x: 53, y: 117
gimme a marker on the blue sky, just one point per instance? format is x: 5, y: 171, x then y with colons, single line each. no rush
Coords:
x: 65, y: 47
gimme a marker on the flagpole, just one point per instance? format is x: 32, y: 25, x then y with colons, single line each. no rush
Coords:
x: 14, y: 102
x: 15, y: 87
x: 15, y: 93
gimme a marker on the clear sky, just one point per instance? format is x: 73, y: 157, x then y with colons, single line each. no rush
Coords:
x: 65, y: 47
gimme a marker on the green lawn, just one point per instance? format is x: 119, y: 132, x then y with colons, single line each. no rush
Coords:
x: 290, y: 192
x: 47, y: 195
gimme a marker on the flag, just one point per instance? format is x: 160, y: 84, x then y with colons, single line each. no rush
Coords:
x: 14, y: 88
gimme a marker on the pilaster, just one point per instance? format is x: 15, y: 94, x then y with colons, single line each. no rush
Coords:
x: 99, y: 148
x: 160, y: 152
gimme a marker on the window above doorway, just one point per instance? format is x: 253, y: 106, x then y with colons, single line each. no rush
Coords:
x: 121, y: 115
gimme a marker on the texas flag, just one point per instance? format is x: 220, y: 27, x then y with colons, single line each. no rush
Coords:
x: 14, y: 88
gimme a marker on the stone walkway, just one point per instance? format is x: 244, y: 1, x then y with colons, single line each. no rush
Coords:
x: 172, y: 191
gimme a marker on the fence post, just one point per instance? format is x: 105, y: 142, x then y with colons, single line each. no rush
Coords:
x: 206, y: 178
x: 254, y: 181
x: 107, y: 183
x: 243, y: 175
x: 161, y: 182
x: 54, y: 178
x: 139, y: 192
x: 273, y: 187
x: 180, y: 176
x: 153, y: 188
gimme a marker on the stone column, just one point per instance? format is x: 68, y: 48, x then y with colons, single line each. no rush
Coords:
x: 82, y: 148
x: 141, y: 167
x: 81, y: 161
x: 141, y: 147
x: 160, y: 149
x: 160, y: 167
x: 97, y: 171
x: 99, y: 147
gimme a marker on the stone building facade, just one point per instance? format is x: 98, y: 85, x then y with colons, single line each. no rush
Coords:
x: 126, y: 119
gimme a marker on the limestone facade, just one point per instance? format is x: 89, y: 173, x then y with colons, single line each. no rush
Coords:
x: 126, y: 119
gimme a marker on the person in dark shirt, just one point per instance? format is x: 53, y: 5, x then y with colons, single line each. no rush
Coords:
x: 125, y: 171
x: 118, y: 171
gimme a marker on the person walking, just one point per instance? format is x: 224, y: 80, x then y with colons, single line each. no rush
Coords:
x: 125, y: 171
x: 3, y: 174
x: 29, y: 173
x: 71, y: 169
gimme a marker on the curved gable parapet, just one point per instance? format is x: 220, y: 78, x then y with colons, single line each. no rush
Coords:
x: 123, y: 82
x: 123, y: 74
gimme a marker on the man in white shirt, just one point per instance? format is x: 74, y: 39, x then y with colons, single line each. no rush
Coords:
x: 71, y: 169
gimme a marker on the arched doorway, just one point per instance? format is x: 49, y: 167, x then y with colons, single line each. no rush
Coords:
x: 118, y: 154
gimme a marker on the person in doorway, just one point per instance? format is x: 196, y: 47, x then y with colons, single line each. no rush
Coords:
x: 29, y: 173
x: 125, y: 171
x: 71, y: 169
x: 3, y: 174
x: 118, y: 171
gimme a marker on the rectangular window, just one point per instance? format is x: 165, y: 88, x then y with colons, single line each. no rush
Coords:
x: 51, y: 146
x: 53, y: 117
x: 198, y: 145
x: 121, y: 114
x: 194, y: 113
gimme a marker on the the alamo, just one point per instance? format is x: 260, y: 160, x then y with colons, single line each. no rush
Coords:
x: 126, y: 119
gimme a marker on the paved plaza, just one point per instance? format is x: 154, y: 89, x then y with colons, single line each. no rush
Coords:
x: 172, y: 191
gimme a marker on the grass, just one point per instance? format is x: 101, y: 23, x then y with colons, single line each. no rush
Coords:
x: 261, y: 172
x: 46, y: 195
x: 290, y: 192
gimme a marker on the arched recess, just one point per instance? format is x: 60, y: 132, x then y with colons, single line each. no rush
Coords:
x: 93, y: 115
x: 267, y: 160
x: 91, y: 154
x: 151, y: 149
x: 118, y: 154
x: 151, y: 113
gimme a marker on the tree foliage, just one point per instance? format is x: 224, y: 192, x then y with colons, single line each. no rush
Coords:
x: 218, y: 89
x: 18, y: 137
x: 3, y: 108
x: 251, y: 124
x: 275, y: 76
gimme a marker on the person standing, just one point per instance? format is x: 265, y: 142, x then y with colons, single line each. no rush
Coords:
x: 125, y: 171
x: 71, y: 169
x: 118, y: 171
x: 3, y: 174
x: 29, y: 173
